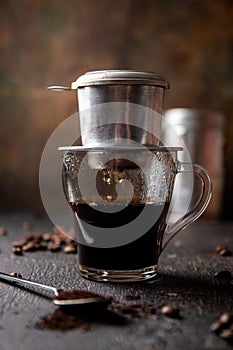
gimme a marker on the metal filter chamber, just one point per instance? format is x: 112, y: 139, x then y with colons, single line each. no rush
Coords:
x: 120, y: 104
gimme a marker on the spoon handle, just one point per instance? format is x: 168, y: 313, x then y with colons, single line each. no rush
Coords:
x: 22, y: 281
x: 59, y: 88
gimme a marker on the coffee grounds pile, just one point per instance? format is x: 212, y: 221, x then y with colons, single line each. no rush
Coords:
x: 81, y: 316
x: 63, y: 321
x: 56, y: 241
x: 78, y: 294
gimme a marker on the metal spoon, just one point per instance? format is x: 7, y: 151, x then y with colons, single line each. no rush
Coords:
x: 92, y: 299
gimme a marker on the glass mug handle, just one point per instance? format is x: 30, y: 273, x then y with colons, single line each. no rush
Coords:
x: 199, y: 207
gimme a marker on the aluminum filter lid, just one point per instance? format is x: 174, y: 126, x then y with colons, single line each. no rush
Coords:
x: 119, y: 77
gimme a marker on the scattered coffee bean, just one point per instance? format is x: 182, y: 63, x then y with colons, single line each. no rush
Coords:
x: 224, y: 325
x: 226, y: 334
x: 18, y: 243
x: 223, y: 250
x: 216, y: 327
x: 220, y: 247
x: 226, y: 318
x: 16, y: 274
x: 170, y: 311
x: 29, y: 247
x: 70, y: 249
x: 51, y: 241
x: 54, y: 247
x: 3, y: 231
x: 224, y: 274
x: 42, y: 246
x: 57, y: 240
x: 17, y: 250
x: 46, y: 236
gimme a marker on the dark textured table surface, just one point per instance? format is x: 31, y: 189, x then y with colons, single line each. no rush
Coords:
x: 187, y: 282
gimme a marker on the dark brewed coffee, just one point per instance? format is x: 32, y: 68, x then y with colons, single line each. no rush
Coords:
x: 141, y: 253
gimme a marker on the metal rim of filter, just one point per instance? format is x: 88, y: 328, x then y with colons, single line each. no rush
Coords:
x: 120, y: 77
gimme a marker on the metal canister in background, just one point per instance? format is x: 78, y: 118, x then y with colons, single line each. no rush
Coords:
x: 203, y: 134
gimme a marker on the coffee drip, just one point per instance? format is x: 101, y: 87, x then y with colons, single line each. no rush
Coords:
x: 112, y: 177
x: 119, y: 182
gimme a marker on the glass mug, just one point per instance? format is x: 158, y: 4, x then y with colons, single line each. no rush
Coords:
x: 120, y: 198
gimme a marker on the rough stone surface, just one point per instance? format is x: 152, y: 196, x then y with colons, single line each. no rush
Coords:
x: 187, y: 283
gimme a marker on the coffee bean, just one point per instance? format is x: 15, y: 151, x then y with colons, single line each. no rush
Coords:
x: 226, y: 334
x: 220, y: 247
x: 224, y: 274
x: 37, y: 237
x: 224, y: 321
x: 16, y: 274
x: 37, y: 245
x: 3, y: 231
x: 223, y: 250
x: 217, y: 326
x: 17, y: 250
x: 42, y: 246
x: 18, y: 243
x: 46, y: 236
x: 57, y: 240
x: 226, y: 317
x: 170, y: 311
x: 70, y: 249
x: 54, y: 247
x: 29, y: 247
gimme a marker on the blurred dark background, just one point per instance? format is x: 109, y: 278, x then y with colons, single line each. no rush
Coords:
x: 42, y: 43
